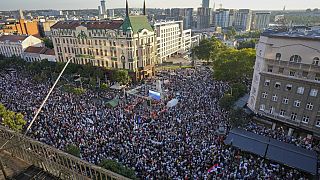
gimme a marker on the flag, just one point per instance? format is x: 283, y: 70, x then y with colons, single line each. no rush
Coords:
x: 214, y: 168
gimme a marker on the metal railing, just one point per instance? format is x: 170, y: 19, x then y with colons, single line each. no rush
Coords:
x: 52, y: 160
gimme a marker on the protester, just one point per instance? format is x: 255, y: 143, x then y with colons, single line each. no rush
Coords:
x: 157, y: 142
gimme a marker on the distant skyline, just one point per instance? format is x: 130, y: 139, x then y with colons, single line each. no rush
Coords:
x: 93, y: 4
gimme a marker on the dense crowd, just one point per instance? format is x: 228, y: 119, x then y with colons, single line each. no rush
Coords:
x: 158, y: 142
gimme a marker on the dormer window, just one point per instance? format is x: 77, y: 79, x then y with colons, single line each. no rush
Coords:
x: 295, y: 58
x: 278, y: 56
x: 316, y: 61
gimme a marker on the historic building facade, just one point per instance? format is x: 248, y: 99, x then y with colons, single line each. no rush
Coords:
x: 286, y: 80
x: 128, y: 44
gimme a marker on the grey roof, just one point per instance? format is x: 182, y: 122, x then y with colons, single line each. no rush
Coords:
x: 247, y: 141
x: 311, y: 35
x: 287, y: 154
x: 292, y: 156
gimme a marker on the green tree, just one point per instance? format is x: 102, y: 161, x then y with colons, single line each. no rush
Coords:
x: 14, y: 121
x: 238, y: 118
x: 48, y: 42
x: 234, y: 65
x: 73, y: 150
x: 248, y: 44
x: 227, y: 101
x: 118, y: 168
x: 208, y: 49
x: 120, y: 76
x: 231, y: 32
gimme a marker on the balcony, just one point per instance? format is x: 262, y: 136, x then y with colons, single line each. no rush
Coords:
x: 85, y: 56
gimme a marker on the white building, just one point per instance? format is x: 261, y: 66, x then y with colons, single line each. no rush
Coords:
x: 32, y: 54
x: 243, y: 19
x: 171, y: 39
x: 14, y: 45
x: 222, y: 18
x: 261, y: 20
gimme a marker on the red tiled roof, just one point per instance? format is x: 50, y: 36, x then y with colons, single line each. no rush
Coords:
x: 49, y: 52
x: 12, y: 38
x: 114, y: 24
x: 37, y: 50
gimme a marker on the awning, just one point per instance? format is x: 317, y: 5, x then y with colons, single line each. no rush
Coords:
x: 114, y: 102
x: 292, y: 156
x: 247, y: 141
x: 272, y: 149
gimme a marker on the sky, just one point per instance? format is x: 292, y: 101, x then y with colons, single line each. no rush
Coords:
x: 93, y: 4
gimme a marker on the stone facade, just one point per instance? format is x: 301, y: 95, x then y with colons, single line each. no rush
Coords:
x: 286, y: 80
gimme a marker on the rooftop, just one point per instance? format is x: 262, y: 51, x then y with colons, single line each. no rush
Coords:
x: 39, y: 50
x: 307, y: 34
x: 115, y: 24
x: 12, y: 38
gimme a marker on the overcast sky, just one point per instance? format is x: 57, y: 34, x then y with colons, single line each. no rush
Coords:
x: 89, y: 4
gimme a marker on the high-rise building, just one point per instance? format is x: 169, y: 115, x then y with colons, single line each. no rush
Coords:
x: 286, y: 80
x: 110, y: 13
x: 222, y: 18
x: 243, y: 19
x: 103, y: 7
x: 188, y: 19
x: 261, y: 20
x: 128, y: 44
x: 203, y: 18
x: 205, y: 3
x: 21, y: 16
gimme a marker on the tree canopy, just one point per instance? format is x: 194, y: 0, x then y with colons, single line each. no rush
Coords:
x: 120, y: 76
x: 234, y: 65
x: 13, y: 120
x: 209, y: 49
x: 73, y: 150
x: 116, y: 167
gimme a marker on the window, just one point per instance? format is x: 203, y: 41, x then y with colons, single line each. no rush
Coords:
x: 281, y: 70
x: 277, y: 85
x: 293, y: 116
x: 270, y: 68
x: 275, y: 98
x: 264, y: 95
x: 278, y: 56
x: 292, y: 73
x: 300, y: 90
x: 262, y: 107
x: 266, y: 82
x: 271, y: 110
x: 318, y: 123
x: 285, y: 100
x: 296, y: 103
x: 305, y: 119
x: 309, y: 106
x: 317, y: 78
x: 305, y: 74
x: 313, y: 92
x: 282, y: 113
x: 288, y: 87
x: 295, y: 58
x: 316, y: 61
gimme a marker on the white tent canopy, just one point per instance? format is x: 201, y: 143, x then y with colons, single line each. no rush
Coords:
x: 172, y: 103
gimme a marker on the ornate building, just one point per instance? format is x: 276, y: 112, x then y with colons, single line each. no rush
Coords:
x: 128, y: 44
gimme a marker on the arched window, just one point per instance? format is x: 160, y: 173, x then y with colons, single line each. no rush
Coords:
x: 295, y: 58
x: 278, y: 56
x: 316, y: 61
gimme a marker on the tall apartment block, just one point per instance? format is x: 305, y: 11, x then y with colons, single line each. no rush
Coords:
x: 286, y: 81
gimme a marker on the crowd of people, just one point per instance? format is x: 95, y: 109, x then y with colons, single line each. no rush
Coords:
x: 158, y: 142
